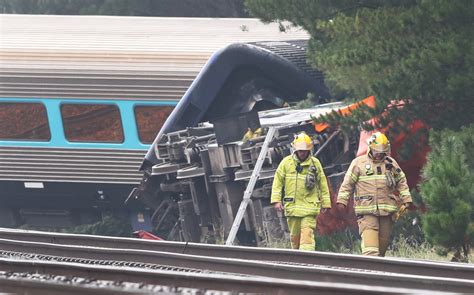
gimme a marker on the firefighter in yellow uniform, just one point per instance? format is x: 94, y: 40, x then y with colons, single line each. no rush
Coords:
x: 372, y: 179
x: 301, y: 184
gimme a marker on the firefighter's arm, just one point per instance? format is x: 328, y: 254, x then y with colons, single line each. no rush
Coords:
x: 402, y: 185
x: 278, y: 181
x: 348, y: 184
x: 323, y: 184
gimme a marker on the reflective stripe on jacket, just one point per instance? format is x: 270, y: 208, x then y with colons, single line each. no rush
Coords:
x: 289, y: 185
x: 366, y: 179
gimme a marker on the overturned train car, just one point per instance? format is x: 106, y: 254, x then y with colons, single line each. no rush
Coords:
x: 198, y: 168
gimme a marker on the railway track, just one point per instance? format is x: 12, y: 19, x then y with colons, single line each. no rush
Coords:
x: 392, y: 265
x: 272, y: 264
x: 176, y: 280
x: 41, y: 284
x: 154, y: 260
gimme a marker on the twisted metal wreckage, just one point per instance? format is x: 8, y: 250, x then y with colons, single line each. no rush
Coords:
x: 198, y: 169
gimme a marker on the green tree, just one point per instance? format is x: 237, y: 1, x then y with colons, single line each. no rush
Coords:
x: 448, y: 191
x: 110, y: 225
x: 190, y: 8
x: 418, y: 53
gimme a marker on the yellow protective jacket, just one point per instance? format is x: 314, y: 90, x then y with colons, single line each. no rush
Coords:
x: 366, y: 179
x: 289, y: 186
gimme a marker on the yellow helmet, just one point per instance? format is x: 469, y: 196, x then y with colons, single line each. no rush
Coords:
x: 302, y: 142
x: 379, y: 143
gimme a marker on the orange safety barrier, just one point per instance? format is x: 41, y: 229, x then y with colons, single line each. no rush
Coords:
x: 369, y: 101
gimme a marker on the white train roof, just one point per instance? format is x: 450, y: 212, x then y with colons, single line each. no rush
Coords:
x: 153, y: 58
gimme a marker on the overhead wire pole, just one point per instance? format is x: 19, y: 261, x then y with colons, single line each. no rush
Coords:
x: 250, y: 186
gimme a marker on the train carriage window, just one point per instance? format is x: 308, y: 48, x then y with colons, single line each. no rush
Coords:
x: 149, y: 121
x: 24, y: 121
x: 92, y: 123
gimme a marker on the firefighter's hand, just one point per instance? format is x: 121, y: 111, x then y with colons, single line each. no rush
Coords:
x: 278, y: 206
x: 409, y: 206
x: 324, y: 210
x: 341, y: 206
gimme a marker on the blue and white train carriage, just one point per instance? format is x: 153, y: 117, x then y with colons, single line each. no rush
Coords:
x: 65, y: 161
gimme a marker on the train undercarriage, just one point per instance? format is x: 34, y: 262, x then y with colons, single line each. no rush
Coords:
x: 196, y: 189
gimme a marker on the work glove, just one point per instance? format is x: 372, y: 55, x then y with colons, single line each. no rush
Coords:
x: 341, y: 206
x: 403, y: 210
x: 409, y: 206
x: 278, y: 206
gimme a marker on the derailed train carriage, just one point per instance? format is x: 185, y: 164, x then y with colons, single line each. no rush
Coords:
x: 198, y: 168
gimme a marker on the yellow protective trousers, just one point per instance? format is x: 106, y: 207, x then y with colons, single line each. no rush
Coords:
x: 302, y: 232
x: 375, y: 232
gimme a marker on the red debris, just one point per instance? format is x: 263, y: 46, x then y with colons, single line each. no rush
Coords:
x: 141, y: 234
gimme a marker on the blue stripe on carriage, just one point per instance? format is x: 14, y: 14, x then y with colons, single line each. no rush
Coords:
x: 58, y: 140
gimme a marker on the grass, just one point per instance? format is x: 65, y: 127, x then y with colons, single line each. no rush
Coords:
x: 401, y: 248
x: 281, y: 244
x: 349, y: 243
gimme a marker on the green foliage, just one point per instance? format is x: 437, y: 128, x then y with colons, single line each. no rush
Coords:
x: 304, y: 104
x: 409, y: 229
x: 415, y: 53
x: 310, y: 101
x: 109, y: 226
x: 347, y: 241
x: 191, y: 8
x: 401, y: 247
x: 448, y: 190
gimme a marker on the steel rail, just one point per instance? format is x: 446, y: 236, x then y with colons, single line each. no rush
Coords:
x: 27, y: 286
x: 240, y: 266
x: 235, y: 283
x: 385, y: 264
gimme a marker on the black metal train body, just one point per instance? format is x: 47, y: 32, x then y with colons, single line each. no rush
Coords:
x: 198, y: 168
